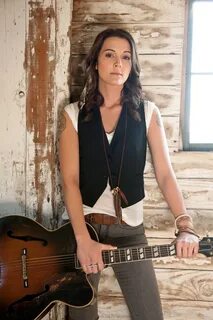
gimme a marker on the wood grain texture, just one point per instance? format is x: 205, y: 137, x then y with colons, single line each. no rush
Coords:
x: 12, y: 108
x: 157, y: 26
x: 128, y: 11
x: 62, y: 84
x: 197, y: 194
x: 188, y: 285
x: 187, y: 165
x: 173, y: 310
x: 149, y: 38
x: 40, y: 66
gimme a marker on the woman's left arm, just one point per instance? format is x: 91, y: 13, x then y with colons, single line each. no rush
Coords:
x: 187, y: 243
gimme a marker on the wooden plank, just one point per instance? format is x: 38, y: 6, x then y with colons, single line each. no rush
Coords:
x: 12, y: 107
x: 63, y: 22
x: 185, y: 285
x: 173, y: 284
x: 62, y: 85
x: 117, y: 11
x: 159, y: 223
x: 114, y: 308
x: 167, y: 98
x: 197, y: 194
x: 187, y: 165
x: 179, y: 310
x: 40, y: 65
x: 156, y: 70
x: 149, y: 38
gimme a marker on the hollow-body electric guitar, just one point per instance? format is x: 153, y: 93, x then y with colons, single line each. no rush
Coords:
x: 39, y: 267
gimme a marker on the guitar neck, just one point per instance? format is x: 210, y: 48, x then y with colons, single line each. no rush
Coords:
x: 123, y: 255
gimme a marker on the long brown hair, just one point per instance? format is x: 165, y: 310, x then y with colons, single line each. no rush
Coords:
x: 132, y: 90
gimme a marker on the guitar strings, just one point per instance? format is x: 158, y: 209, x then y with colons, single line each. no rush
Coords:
x: 118, y: 254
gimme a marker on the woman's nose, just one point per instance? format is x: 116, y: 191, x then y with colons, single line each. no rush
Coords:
x: 117, y: 62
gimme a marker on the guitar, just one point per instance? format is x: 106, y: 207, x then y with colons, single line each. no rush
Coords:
x: 39, y: 267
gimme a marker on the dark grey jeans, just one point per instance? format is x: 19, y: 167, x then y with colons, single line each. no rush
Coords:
x: 136, y: 279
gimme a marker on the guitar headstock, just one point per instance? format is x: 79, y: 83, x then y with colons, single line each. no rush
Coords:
x: 206, y: 246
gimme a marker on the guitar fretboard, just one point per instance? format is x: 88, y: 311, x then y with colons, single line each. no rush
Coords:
x: 123, y: 255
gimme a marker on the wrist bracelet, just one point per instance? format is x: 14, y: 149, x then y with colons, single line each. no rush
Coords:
x: 184, y: 215
x: 187, y: 230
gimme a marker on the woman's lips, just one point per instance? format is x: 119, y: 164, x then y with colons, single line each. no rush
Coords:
x: 117, y: 74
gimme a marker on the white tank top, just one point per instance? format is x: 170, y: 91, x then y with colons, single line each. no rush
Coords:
x: 132, y: 215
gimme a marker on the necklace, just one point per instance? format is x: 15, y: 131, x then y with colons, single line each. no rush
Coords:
x: 116, y: 191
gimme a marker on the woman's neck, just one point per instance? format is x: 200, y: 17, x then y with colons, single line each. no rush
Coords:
x: 111, y: 94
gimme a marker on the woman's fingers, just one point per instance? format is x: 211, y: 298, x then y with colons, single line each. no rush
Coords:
x: 91, y: 258
x: 187, y: 245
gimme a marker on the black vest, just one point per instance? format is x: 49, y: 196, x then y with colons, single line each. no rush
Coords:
x: 93, y: 167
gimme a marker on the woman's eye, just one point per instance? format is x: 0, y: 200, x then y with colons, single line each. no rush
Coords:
x: 108, y: 55
x: 126, y: 57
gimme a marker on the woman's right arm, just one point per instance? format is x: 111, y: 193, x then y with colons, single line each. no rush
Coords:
x: 89, y: 252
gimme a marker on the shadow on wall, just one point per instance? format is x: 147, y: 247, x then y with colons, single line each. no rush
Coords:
x: 10, y: 208
x: 50, y: 222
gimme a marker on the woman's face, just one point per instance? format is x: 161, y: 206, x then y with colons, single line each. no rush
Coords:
x: 114, y: 62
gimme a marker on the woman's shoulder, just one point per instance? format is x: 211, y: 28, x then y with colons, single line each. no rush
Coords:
x: 72, y: 107
x: 72, y: 110
x: 149, y: 107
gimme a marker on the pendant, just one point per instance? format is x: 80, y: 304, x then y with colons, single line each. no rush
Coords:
x: 117, y: 195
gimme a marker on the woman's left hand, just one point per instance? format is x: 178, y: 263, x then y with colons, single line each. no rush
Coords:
x: 187, y: 245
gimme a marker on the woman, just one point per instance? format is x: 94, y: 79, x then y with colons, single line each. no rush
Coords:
x: 102, y: 158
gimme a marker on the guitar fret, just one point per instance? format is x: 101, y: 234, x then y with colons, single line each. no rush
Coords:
x: 119, y: 255
x: 116, y: 256
x: 167, y: 250
x: 141, y: 252
x: 148, y: 252
x: 134, y: 254
x: 156, y: 252
x: 123, y: 257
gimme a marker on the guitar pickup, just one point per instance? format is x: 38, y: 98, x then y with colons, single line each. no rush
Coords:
x: 24, y: 267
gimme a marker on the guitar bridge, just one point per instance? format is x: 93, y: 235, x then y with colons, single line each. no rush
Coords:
x: 24, y: 268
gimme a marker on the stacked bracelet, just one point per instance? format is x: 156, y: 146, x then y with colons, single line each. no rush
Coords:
x: 183, y: 216
x: 184, y: 228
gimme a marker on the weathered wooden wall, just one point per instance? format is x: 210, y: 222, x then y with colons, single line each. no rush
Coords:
x: 158, y: 27
x: 34, y: 82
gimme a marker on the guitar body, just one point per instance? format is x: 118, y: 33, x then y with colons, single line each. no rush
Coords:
x: 39, y: 267
x: 36, y: 269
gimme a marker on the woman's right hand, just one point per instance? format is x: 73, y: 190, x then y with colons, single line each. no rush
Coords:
x: 89, y: 253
